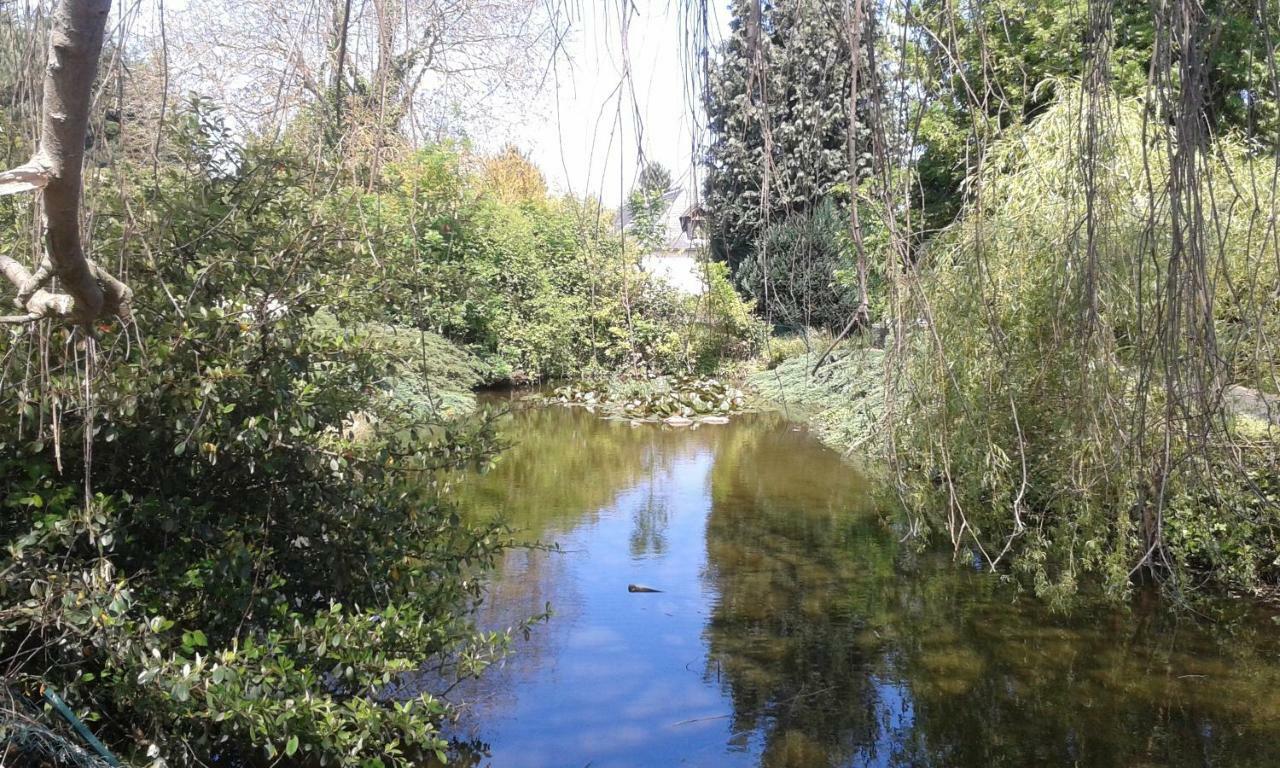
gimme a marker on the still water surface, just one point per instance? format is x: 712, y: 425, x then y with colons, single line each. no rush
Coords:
x: 794, y: 630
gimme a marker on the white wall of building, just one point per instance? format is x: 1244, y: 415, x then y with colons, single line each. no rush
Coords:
x: 680, y: 270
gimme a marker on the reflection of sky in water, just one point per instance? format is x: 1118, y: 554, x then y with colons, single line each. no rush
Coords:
x: 620, y: 679
x: 792, y: 631
x: 895, y: 717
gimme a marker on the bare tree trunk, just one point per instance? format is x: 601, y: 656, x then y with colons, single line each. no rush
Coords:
x: 75, y: 46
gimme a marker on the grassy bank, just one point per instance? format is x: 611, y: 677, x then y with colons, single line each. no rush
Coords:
x: 842, y: 401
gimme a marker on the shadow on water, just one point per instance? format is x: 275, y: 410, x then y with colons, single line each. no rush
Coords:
x: 794, y: 630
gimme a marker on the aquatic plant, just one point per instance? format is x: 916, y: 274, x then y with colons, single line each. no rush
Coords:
x: 673, y: 399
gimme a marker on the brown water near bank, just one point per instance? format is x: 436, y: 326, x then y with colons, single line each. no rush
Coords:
x: 794, y: 629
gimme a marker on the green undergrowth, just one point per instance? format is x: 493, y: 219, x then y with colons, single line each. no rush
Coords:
x: 428, y: 376
x: 842, y: 401
x: 239, y: 548
x: 432, y: 376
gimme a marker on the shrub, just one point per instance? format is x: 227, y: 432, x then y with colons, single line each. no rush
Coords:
x: 236, y: 576
x: 795, y: 271
x: 541, y: 284
x: 730, y: 331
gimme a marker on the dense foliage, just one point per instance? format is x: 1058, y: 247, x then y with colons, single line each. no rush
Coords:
x: 800, y: 270
x: 225, y: 540
x: 646, y: 207
x: 677, y: 401
x: 1039, y: 385
x: 543, y: 287
x: 209, y: 553
x: 778, y: 107
x: 1015, y: 56
x: 1066, y: 218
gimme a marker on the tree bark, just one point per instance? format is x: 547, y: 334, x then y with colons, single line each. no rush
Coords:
x: 86, y: 292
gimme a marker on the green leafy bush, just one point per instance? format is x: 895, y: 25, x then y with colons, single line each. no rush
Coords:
x: 541, y: 285
x: 206, y: 554
x: 730, y: 331
x: 796, y: 270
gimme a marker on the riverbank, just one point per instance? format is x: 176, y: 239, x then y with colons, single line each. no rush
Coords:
x: 842, y: 402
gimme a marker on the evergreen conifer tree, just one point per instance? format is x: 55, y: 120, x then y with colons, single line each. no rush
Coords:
x: 779, y: 120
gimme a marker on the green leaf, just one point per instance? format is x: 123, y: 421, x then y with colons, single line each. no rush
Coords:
x: 292, y: 746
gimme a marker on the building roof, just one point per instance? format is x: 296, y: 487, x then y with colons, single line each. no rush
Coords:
x: 626, y: 216
x: 681, y: 202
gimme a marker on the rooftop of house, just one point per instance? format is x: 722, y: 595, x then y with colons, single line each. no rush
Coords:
x: 626, y: 216
x: 683, y: 219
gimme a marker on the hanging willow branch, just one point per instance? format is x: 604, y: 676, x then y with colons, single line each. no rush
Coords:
x: 85, y: 292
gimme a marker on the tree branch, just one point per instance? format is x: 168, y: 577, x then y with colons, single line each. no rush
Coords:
x: 75, y: 45
x: 25, y: 178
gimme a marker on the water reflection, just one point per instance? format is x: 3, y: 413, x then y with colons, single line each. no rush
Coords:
x: 793, y: 630
x: 649, y: 527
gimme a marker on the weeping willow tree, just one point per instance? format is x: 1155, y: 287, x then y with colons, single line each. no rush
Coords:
x: 1069, y: 400
x: 1092, y: 324
x: 1082, y: 375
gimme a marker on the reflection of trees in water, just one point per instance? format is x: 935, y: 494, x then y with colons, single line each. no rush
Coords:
x: 563, y: 466
x: 1004, y: 683
x: 649, y: 532
x: 839, y: 648
x: 782, y: 632
x: 650, y: 519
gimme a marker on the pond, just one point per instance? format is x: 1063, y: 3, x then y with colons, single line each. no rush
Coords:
x: 794, y: 629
